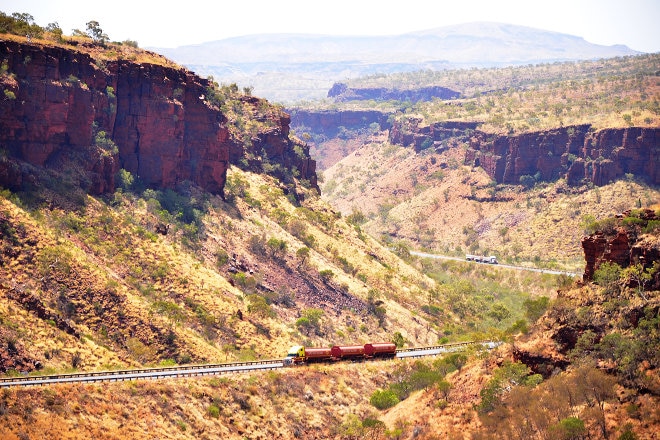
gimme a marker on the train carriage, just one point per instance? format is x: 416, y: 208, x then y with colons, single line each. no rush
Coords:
x: 380, y: 350
x: 299, y: 354
x: 347, y: 351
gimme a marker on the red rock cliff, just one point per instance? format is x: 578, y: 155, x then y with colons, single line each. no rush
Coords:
x: 577, y: 153
x: 165, y: 129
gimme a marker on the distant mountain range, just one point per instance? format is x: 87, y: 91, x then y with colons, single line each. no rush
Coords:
x: 286, y: 67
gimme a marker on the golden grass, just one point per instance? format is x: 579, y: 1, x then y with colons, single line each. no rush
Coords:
x: 164, y: 283
x: 109, y: 52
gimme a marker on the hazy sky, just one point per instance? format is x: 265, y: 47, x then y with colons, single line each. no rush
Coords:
x: 172, y: 23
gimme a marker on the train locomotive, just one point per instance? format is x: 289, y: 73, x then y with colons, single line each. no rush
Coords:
x: 299, y: 355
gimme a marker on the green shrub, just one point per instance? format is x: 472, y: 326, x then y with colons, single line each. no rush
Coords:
x: 245, y: 282
x: 277, y: 248
x: 303, y: 255
x: 535, y: 308
x: 124, y: 180
x: 651, y: 227
x: 259, y: 306
x: 213, y: 411
x: 570, y: 428
x: 608, y: 275
x: 527, y: 181
x: 221, y: 257
x: 398, y: 339
x: 383, y: 399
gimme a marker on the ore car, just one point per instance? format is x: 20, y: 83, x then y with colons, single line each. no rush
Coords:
x: 347, y: 351
x: 380, y: 350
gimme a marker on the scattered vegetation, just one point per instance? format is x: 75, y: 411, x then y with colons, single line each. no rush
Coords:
x: 615, y: 92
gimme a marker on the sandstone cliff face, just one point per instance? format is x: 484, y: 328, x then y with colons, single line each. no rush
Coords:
x: 164, y: 128
x: 577, y: 153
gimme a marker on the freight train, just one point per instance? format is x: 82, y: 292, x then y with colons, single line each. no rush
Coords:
x: 298, y: 354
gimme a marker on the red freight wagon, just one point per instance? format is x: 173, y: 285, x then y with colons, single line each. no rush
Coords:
x: 347, y: 351
x: 317, y: 354
x: 380, y: 349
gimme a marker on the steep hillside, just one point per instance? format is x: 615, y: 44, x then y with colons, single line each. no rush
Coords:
x: 588, y: 368
x: 124, y: 281
x: 589, y: 365
x: 183, y: 254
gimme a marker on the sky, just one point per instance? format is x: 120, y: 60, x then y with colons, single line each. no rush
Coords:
x: 173, y: 23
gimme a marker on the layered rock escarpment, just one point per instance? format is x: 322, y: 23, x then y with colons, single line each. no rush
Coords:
x: 60, y: 102
x: 577, y: 153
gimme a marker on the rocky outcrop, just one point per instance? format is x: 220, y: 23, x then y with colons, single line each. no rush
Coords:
x: 341, y: 92
x: 152, y: 120
x: 599, y: 248
x: 577, y: 153
x: 624, y: 243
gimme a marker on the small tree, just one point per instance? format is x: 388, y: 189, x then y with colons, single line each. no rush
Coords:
x: 96, y: 33
x: 277, y: 248
x: 570, y: 428
x: 635, y: 274
x: 303, y: 255
x: 444, y: 388
x: 535, y: 308
x: 607, y: 275
x: 55, y: 29
x: 310, y: 320
x: 527, y: 181
x: 398, y: 339
x: 499, y: 312
x: 259, y: 306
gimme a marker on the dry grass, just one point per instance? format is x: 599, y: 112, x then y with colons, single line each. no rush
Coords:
x: 138, y: 297
x: 309, y: 402
x: 110, y: 52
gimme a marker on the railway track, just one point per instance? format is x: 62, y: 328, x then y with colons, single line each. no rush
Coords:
x: 208, y: 369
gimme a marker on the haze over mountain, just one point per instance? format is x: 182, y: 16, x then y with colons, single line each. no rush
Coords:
x: 288, y: 67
